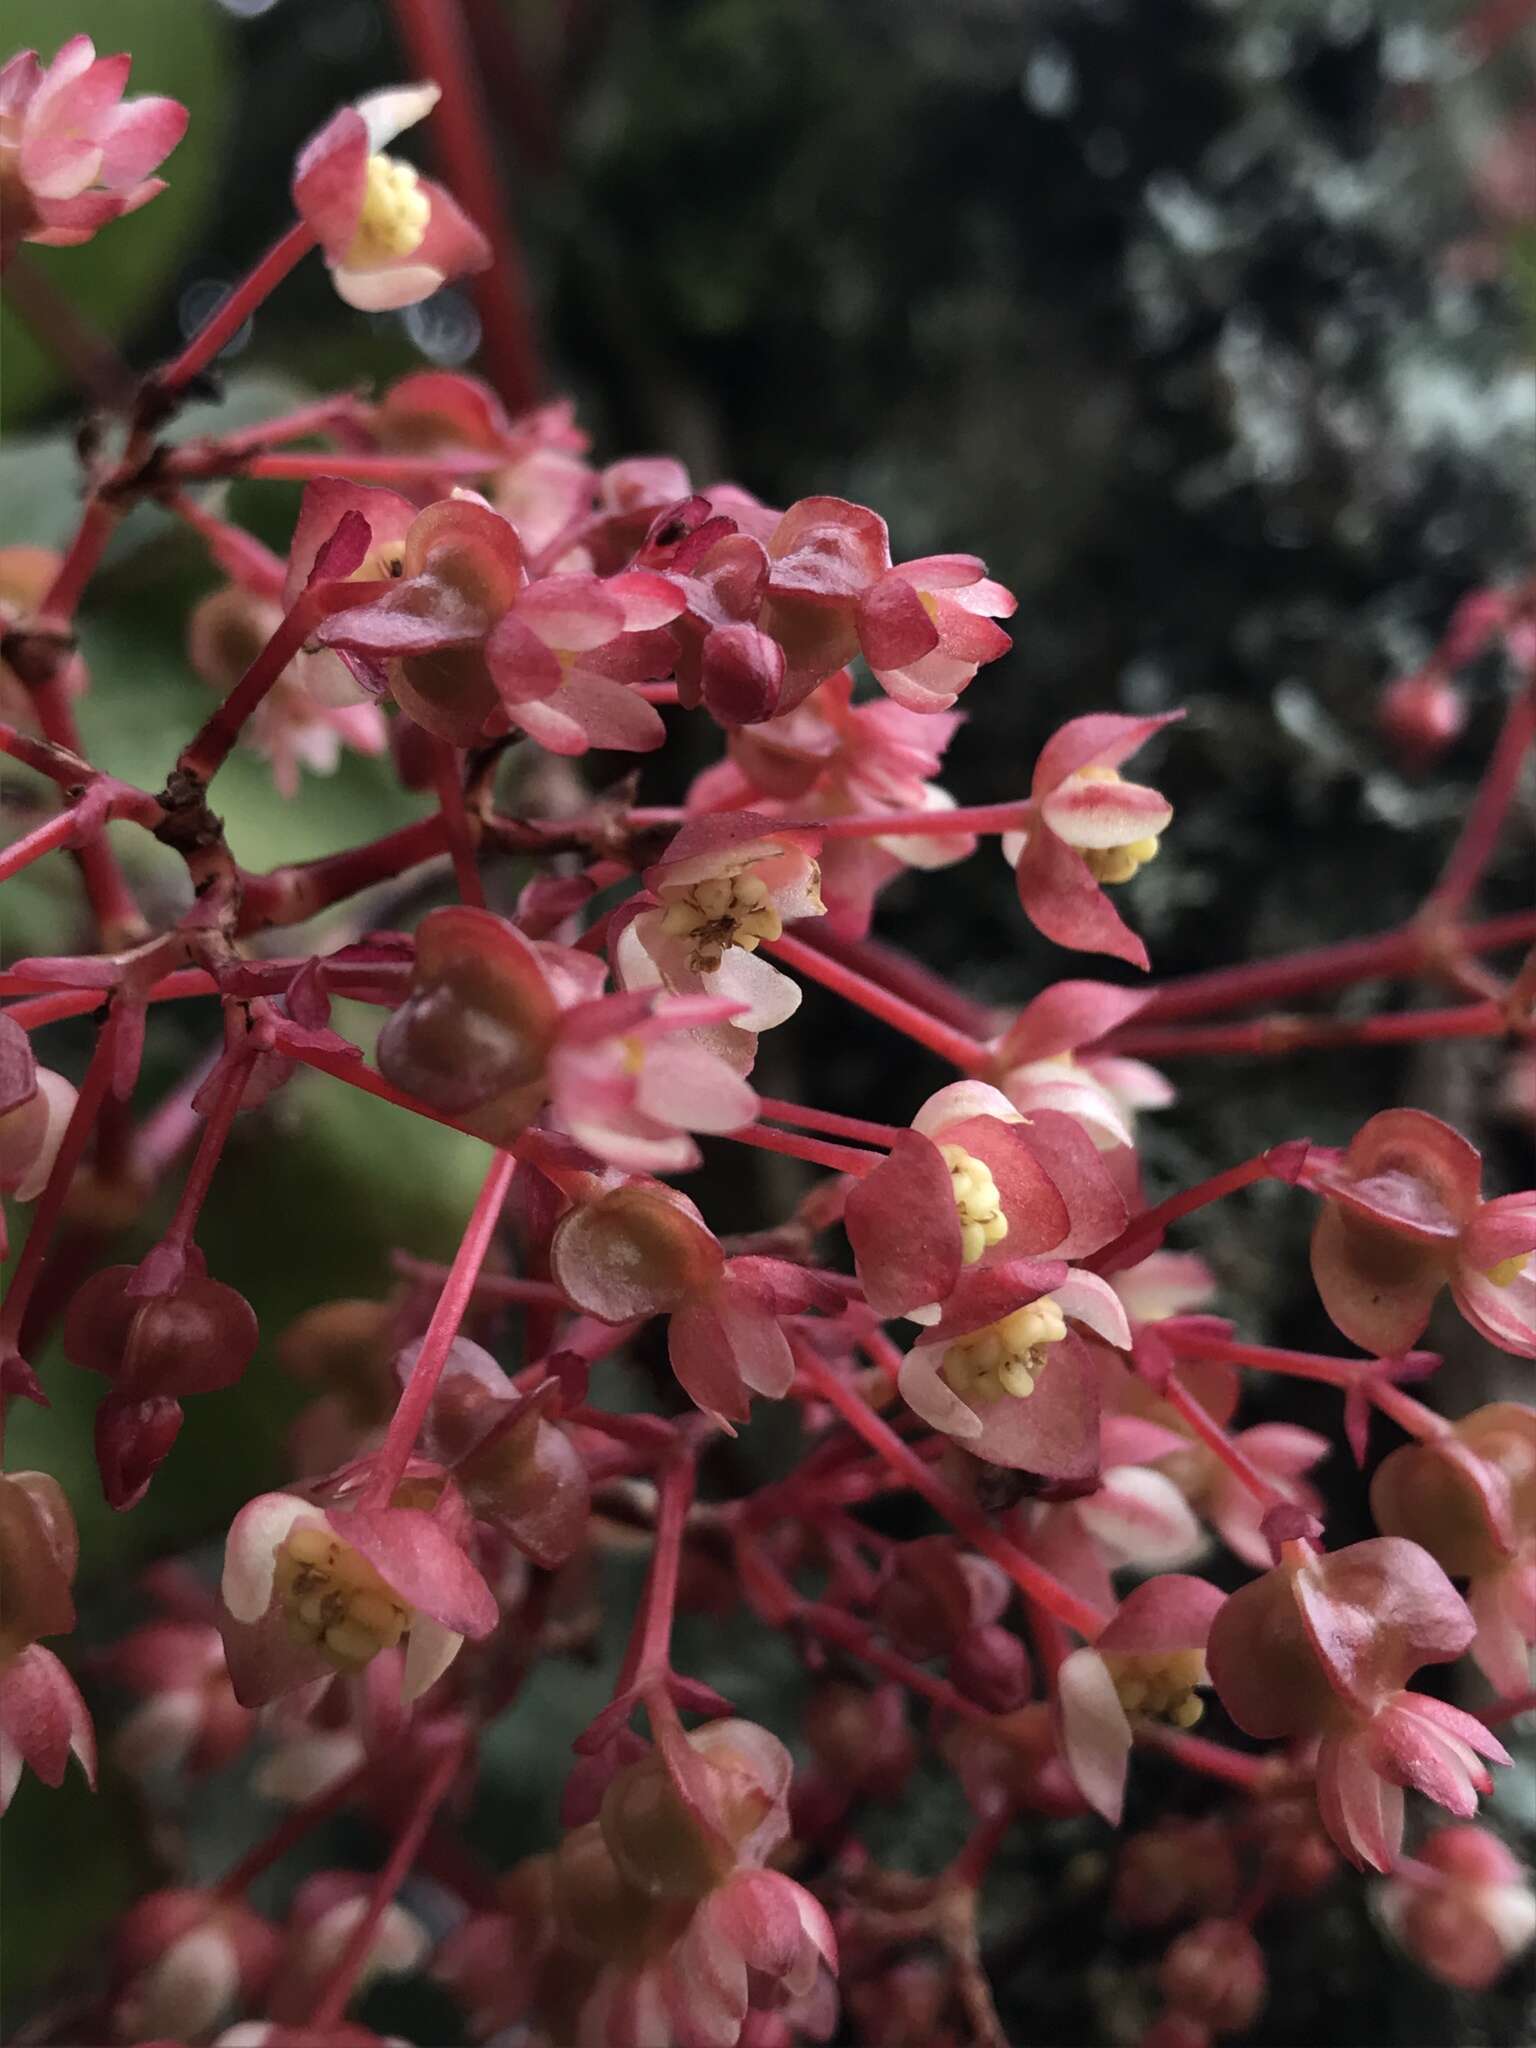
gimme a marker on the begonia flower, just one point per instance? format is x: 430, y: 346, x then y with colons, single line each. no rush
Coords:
x: 1323, y: 1645
x: 309, y: 1592
x: 43, y: 1719
x: 1146, y: 1664
x: 628, y: 1080
x: 1215, y: 1974
x: 563, y: 652
x: 925, y: 627
x: 1462, y: 1907
x: 823, y: 555
x: 188, y: 1716
x: 327, y: 1910
x: 35, y: 1108
x: 183, y: 1960
x: 1039, y: 1062
x: 74, y: 154
x: 1402, y: 1217
x: 1176, y: 1870
x: 725, y: 885
x: 1089, y: 829
x: 642, y: 1249
x: 1469, y: 1499
x: 389, y: 236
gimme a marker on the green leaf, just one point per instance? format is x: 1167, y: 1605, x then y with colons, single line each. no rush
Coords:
x: 178, y: 49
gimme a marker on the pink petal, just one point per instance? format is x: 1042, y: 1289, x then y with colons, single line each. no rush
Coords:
x: 142, y: 136
x: 904, y: 1229
x: 573, y: 613
x: 702, y: 1360
x: 1104, y: 814
x: 895, y: 626
x: 1065, y: 1016
x: 694, y: 1089
x: 828, y: 549
x: 1101, y: 740
x: 1061, y: 899
x: 1095, y: 1734
x: 330, y: 177
x: 1069, y: 1156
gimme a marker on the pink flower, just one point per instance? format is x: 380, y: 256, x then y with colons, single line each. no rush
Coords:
x: 757, y: 1942
x: 1146, y: 1664
x: 823, y: 554
x: 726, y: 884
x: 1089, y: 829
x: 1402, y: 1217
x: 183, y: 1960
x: 189, y: 1717
x: 1463, y: 1907
x: 74, y: 153
x: 1322, y: 1646
x: 925, y: 627
x: 642, y: 1249
x: 1040, y: 1064
x: 390, y: 237
x: 309, y: 1592
x: 43, y: 1720
x: 1469, y: 1498
x: 562, y: 653
x: 35, y: 1108
x: 628, y: 1080
x: 326, y: 1911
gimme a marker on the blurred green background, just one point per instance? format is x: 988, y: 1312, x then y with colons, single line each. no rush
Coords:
x: 1195, y: 319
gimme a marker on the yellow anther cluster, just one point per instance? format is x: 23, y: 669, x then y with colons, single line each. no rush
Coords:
x: 1159, y: 1684
x: 1111, y: 864
x: 393, y: 221
x: 335, y: 1599
x: 1508, y: 1271
x: 982, y: 1222
x: 1006, y: 1357
x: 724, y: 911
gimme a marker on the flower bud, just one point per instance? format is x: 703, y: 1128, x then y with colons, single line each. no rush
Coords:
x: 38, y: 1554
x: 1215, y: 1974
x: 991, y: 1666
x: 1175, y: 1871
x: 1421, y: 715
x: 1464, y: 1910
x: 938, y: 1593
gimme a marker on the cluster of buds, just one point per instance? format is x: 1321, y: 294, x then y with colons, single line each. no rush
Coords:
x: 971, y: 1304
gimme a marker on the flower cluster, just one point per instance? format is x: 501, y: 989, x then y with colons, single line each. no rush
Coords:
x: 970, y: 1305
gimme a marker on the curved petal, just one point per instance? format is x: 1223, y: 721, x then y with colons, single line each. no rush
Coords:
x: 1095, y: 1734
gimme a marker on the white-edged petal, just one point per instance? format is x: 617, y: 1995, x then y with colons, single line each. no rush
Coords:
x: 389, y: 113
x: 250, y: 1551
x: 431, y: 1649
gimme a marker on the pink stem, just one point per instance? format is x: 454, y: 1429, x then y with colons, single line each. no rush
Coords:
x: 967, y: 1053
x: 53, y: 833
x: 232, y: 312
x: 1029, y: 1577
x: 119, y: 921
x: 1142, y: 1233
x: 648, y: 1658
x: 840, y: 1158
x: 1212, y: 1759
x: 301, y: 466
x: 1215, y: 1438
x: 210, y: 1150
x: 890, y: 968
x: 1479, y: 835
x: 405, y: 1425
x: 447, y: 777
x: 292, y: 1828
x: 835, y: 1125
x: 291, y: 895
x: 973, y: 818
x: 1280, y: 1035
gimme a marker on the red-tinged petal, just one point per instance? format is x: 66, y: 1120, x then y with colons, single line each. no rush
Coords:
x: 944, y: 572
x: 1465, y: 1729
x: 523, y: 665
x: 1377, y: 1288
x: 1504, y: 1228
x: 142, y: 135
x: 647, y: 600
x: 1060, y: 898
x: 1054, y: 1433
x: 1139, y: 1517
x: 928, y: 1394
x: 324, y: 504
x: 43, y: 1721
x: 1360, y: 1810
x: 828, y: 549
x: 986, y: 1293
x: 390, y: 111
x: 1095, y: 1206
x: 590, y: 711
x: 1411, y: 1172
x: 638, y: 1251
x: 452, y: 245
x: 1263, y: 1663
x: 266, y: 1659
x: 386, y: 290
x: 1283, y: 1448
x: 1174, y: 1611
x: 1376, y: 1612
x: 688, y: 1086
x: 758, y: 1348
x: 904, y: 1229
x: 20, y: 77
x: 1104, y: 814
x: 574, y: 613
x: 1084, y: 1298
x: 741, y: 674
x: 250, y: 1550
x: 330, y: 177
x: 1065, y: 1016
x: 1039, y: 1218
x: 1095, y: 1734
x: 1102, y: 740
x: 895, y: 626
x: 416, y: 1556
x: 702, y: 1360
x: 782, y: 1288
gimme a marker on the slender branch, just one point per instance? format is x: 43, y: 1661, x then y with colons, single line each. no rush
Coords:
x: 237, y: 306
x: 967, y: 1053
x: 1479, y: 835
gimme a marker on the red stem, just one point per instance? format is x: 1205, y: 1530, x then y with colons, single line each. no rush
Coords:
x: 53, y: 833
x: 119, y: 921
x: 210, y: 1150
x: 840, y: 1158
x: 836, y: 1126
x: 1142, y: 1233
x: 447, y: 778
x: 648, y: 1657
x: 291, y: 895
x: 438, y: 47
x: 300, y: 467
x: 1281, y: 1034
x: 890, y: 968
x: 1029, y: 1577
x: 405, y: 1425
x: 1474, y: 847
x: 1215, y: 1438
x: 232, y: 312
x: 967, y: 1053
x: 1211, y: 1759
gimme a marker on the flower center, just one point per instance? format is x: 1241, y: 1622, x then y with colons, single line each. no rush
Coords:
x: 393, y: 220
x: 1111, y: 864
x: 1159, y: 1684
x: 1006, y: 1357
x: 713, y: 915
x: 1508, y: 1271
x: 335, y: 1599
x: 977, y: 1202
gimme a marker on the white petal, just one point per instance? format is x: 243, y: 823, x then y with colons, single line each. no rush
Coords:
x: 960, y: 1099
x: 1087, y: 1299
x: 1094, y: 1732
x: 432, y: 1648
x: 387, y: 289
x: 250, y: 1553
x: 389, y: 113
x: 1141, y: 1518
x: 931, y: 1397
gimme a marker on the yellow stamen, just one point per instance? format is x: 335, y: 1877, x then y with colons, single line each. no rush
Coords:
x: 1113, y: 864
x: 1006, y: 1357
x: 982, y: 1222
x: 1159, y: 1685
x: 394, y: 216
x: 333, y: 1598
x: 718, y: 913
x: 1508, y: 1271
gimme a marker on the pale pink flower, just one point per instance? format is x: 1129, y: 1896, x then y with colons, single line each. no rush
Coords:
x: 563, y: 652
x: 1463, y: 1907
x: 1040, y: 1061
x: 925, y: 627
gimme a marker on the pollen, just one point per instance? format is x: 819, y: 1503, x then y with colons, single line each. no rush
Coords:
x: 1006, y: 1357
x: 1159, y: 1685
x: 1508, y: 1271
x: 1109, y: 865
x: 393, y: 220
x: 977, y: 1202
x: 333, y: 1598
x: 718, y: 913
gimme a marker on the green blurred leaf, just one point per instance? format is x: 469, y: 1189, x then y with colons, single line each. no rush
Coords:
x: 180, y: 47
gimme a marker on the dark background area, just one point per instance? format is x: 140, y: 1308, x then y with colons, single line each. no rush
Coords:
x: 1187, y: 315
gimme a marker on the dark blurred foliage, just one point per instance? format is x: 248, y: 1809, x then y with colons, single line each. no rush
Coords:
x: 1182, y: 313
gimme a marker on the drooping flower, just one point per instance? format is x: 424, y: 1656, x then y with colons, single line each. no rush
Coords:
x: 925, y: 627
x: 390, y: 237
x: 1469, y: 1498
x: 564, y: 651
x: 35, y: 1108
x: 1214, y: 1973
x: 74, y: 154
x: 1089, y: 829
x: 183, y: 1960
x: 43, y: 1720
x: 1402, y: 1217
x: 1040, y: 1062
x: 1323, y: 1645
x: 1148, y: 1663
x: 326, y: 1911
x: 310, y: 1592
x: 188, y: 1716
x: 823, y: 555
x: 1462, y: 1907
